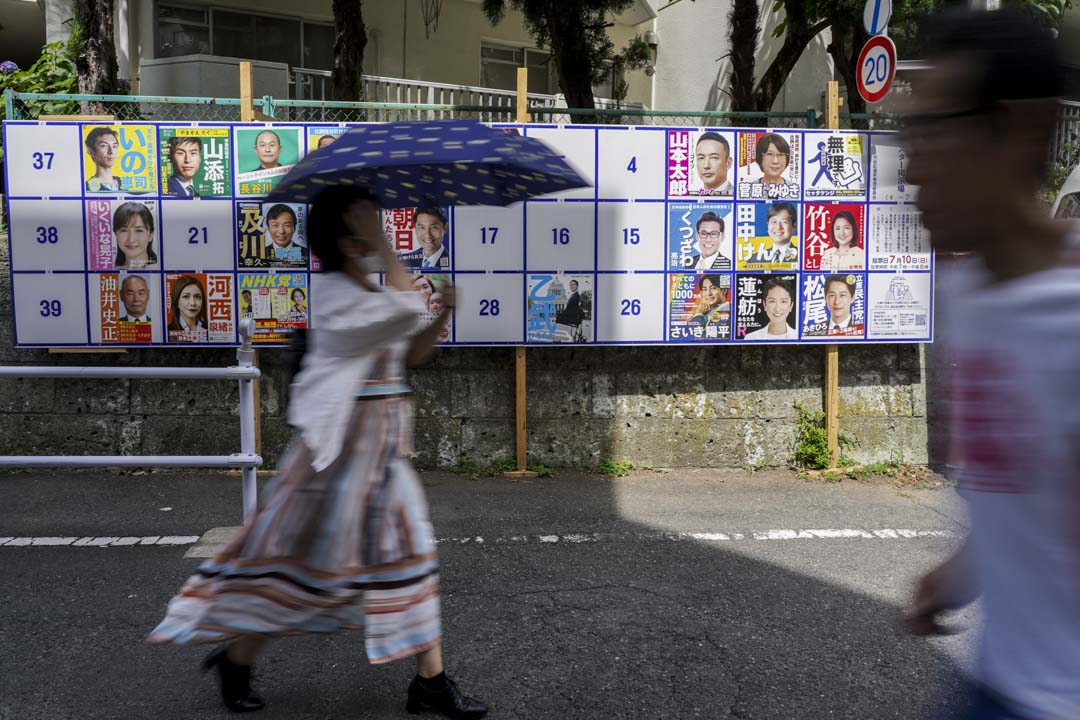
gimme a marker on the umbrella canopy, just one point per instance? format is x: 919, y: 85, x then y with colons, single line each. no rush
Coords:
x: 456, y: 162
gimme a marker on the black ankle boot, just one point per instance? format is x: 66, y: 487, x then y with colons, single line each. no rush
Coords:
x: 448, y: 700
x: 235, y: 679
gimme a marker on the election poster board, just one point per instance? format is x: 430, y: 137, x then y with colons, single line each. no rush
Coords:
x: 159, y: 234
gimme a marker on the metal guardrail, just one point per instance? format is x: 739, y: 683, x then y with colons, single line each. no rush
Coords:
x: 244, y: 372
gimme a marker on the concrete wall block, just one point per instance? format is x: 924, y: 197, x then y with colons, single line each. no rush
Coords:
x: 472, y: 358
x: 800, y: 361
x: 58, y: 434
x: 876, y: 401
x: 662, y: 395
x: 909, y: 356
x: 192, y: 435
x: 485, y: 440
x: 573, y: 442
x: 27, y: 395
x: 97, y: 397
x: 434, y: 392
x: 437, y: 442
x: 867, y: 358
x: 482, y: 394
x: 184, y: 398
x: 604, y: 399
x: 882, y: 439
x: 559, y: 394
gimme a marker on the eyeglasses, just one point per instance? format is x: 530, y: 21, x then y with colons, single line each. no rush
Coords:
x: 711, y: 235
x: 776, y: 155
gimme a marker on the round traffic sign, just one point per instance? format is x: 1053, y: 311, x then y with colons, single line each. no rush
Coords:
x: 875, y: 17
x: 876, y: 67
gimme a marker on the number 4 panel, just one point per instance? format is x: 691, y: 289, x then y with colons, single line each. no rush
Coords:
x: 630, y: 308
x: 490, y: 308
x: 46, y: 234
x: 631, y: 164
x: 50, y: 309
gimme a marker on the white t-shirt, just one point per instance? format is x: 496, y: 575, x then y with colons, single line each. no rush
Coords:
x: 1015, y: 403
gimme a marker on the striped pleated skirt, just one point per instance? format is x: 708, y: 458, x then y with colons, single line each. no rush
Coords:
x: 346, y: 548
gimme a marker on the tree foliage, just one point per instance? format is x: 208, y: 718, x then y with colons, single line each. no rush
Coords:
x: 350, y: 39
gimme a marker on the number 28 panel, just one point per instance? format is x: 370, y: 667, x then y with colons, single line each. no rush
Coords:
x: 684, y: 236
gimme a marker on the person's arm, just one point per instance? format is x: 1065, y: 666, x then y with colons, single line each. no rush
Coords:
x: 422, y: 347
x: 362, y: 218
x: 949, y: 586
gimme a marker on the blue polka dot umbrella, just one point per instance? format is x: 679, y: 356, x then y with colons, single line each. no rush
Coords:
x: 457, y: 162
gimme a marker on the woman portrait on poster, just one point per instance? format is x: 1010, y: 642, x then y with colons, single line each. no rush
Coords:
x: 845, y: 253
x: 188, y: 322
x: 777, y: 302
x: 424, y: 285
x: 715, y: 300
x: 133, y: 226
x: 298, y: 309
x: 773, y: 157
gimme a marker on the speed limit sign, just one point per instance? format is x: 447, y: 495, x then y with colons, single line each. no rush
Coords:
x: 876, y: 67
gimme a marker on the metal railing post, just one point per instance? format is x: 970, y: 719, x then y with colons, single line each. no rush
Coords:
x: 245, y: 357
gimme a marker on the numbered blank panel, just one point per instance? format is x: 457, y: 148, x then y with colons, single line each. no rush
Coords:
x: 559, y: 236
x: 197, y: 234
x: 49, y: 309
x: 630, y: 236
x: 489, y: 238
x: 46, y: 234
x: 490, y: 308
x: 630, y: 164
x: 43, y: 161
x: 630, y: 308
x: 578, y: 147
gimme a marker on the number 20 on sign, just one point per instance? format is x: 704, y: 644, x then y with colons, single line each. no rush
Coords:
x: 876, y: 68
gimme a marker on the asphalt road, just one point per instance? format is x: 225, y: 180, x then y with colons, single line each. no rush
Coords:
x: 680, y: 595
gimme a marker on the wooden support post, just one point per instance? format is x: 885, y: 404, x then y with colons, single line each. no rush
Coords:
x: 247, y: 114
x: 519, y: 352
x: 832, y: 351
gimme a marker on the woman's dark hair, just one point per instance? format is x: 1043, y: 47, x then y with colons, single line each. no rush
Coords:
x: 123, y: 217
x: 178, y: 287
x: 771, y: 139
x: 326, y: 224
x: 777, y: 283
x: 846, y: 215
x: 714, y: 279
x: 292, y: 295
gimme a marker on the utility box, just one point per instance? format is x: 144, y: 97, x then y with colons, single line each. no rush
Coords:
x: 210, y: 76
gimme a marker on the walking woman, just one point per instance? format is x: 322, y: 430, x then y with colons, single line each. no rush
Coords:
x: 342, y: 540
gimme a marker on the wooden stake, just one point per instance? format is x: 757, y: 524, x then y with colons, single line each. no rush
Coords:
x: 519, y: 352
x: 247, y: 114
x: 832, y: 351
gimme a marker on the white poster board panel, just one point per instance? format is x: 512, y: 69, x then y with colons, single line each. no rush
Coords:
x: 489, y: 238
x: 578, y: 147
x: 630, y: 308
x: 490, y: 308
x: 43, y: 160
x: 46, y: 234
x: 630, y: 236
x: 560, y: 236
x: 50, y: 309
x: 630, y: 164
x: 198, y: 234
x: 888, y: 171
x: 899, y: 306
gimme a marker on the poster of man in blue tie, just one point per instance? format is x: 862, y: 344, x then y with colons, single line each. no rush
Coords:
x: 421, y: 236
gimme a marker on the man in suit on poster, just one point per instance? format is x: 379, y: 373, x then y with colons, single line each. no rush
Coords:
x: 135, y: 295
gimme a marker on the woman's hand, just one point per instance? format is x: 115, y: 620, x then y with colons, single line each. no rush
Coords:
x: 362, y: 219
x: 449, y: 297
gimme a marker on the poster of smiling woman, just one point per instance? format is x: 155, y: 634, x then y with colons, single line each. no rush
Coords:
x: 122, y: 234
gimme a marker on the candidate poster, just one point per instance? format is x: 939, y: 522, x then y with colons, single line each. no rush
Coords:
x: 899, y: 306
x: 120, y: 159
x: 559, y: 308
x: 701, y: 163
x: 433, y: 288
x: 699, y: 306
x: 264, y: 156
x: 271, y: 235
x: 834, y: 305
x: 836, y: 166
x: 127, y: 307
x: 770, y: 165
x: 195, y: 161
x: 834, y: 237
x: 766, y: 307
x: 200, y: 308
x: 420, y: 236
x: 122, y: 234
x: 278, y: 302
x: 699, y: 236
x: 767, y: 236
x: 897, y: 239
x: 323, y: 136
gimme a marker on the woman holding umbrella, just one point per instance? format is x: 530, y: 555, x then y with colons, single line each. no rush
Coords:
x: 342, y: 539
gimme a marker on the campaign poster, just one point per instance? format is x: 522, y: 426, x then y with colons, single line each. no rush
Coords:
x: 836, y: 166
x: 699, y: 306
x: 678, y: 162
x: 899, y: 306
x: 271, y: 235
x: 120, y: 159
x: 888, y: 170
x: 770, y: 165
x: 767, y: 236
x: 432, y: 287
x: 264, y: 156
x: 200, y: 308
x: 709, y: 164
x: 122, y: 234
x: 898, y: 240
x: 834, y: 305
x: 766, y: 307
x: 700, y: 236
x: 319, y: 137
x: 127, y: 307
x: 559, y: 308
x: 420, y: 236
x: 278, y: 302
x: 195, y: 161
x: 834, y: 237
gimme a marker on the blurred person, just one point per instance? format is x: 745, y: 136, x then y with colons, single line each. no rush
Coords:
x: 133, y: 225
x: 188, y: 309
x: 844, y: 252
x: 104, y: 148
x: 777, y: 302
x: 1015, y: 341
x: 715, y: 300
x: 712, y: 159
x: 710, y: 235
x: 345, y: 524
x: 185, y: 154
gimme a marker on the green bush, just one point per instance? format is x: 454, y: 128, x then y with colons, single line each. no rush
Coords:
x: 53, y: 72
x: 812, y: 441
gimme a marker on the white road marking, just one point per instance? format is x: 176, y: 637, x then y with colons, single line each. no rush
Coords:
x: 571, y: 538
